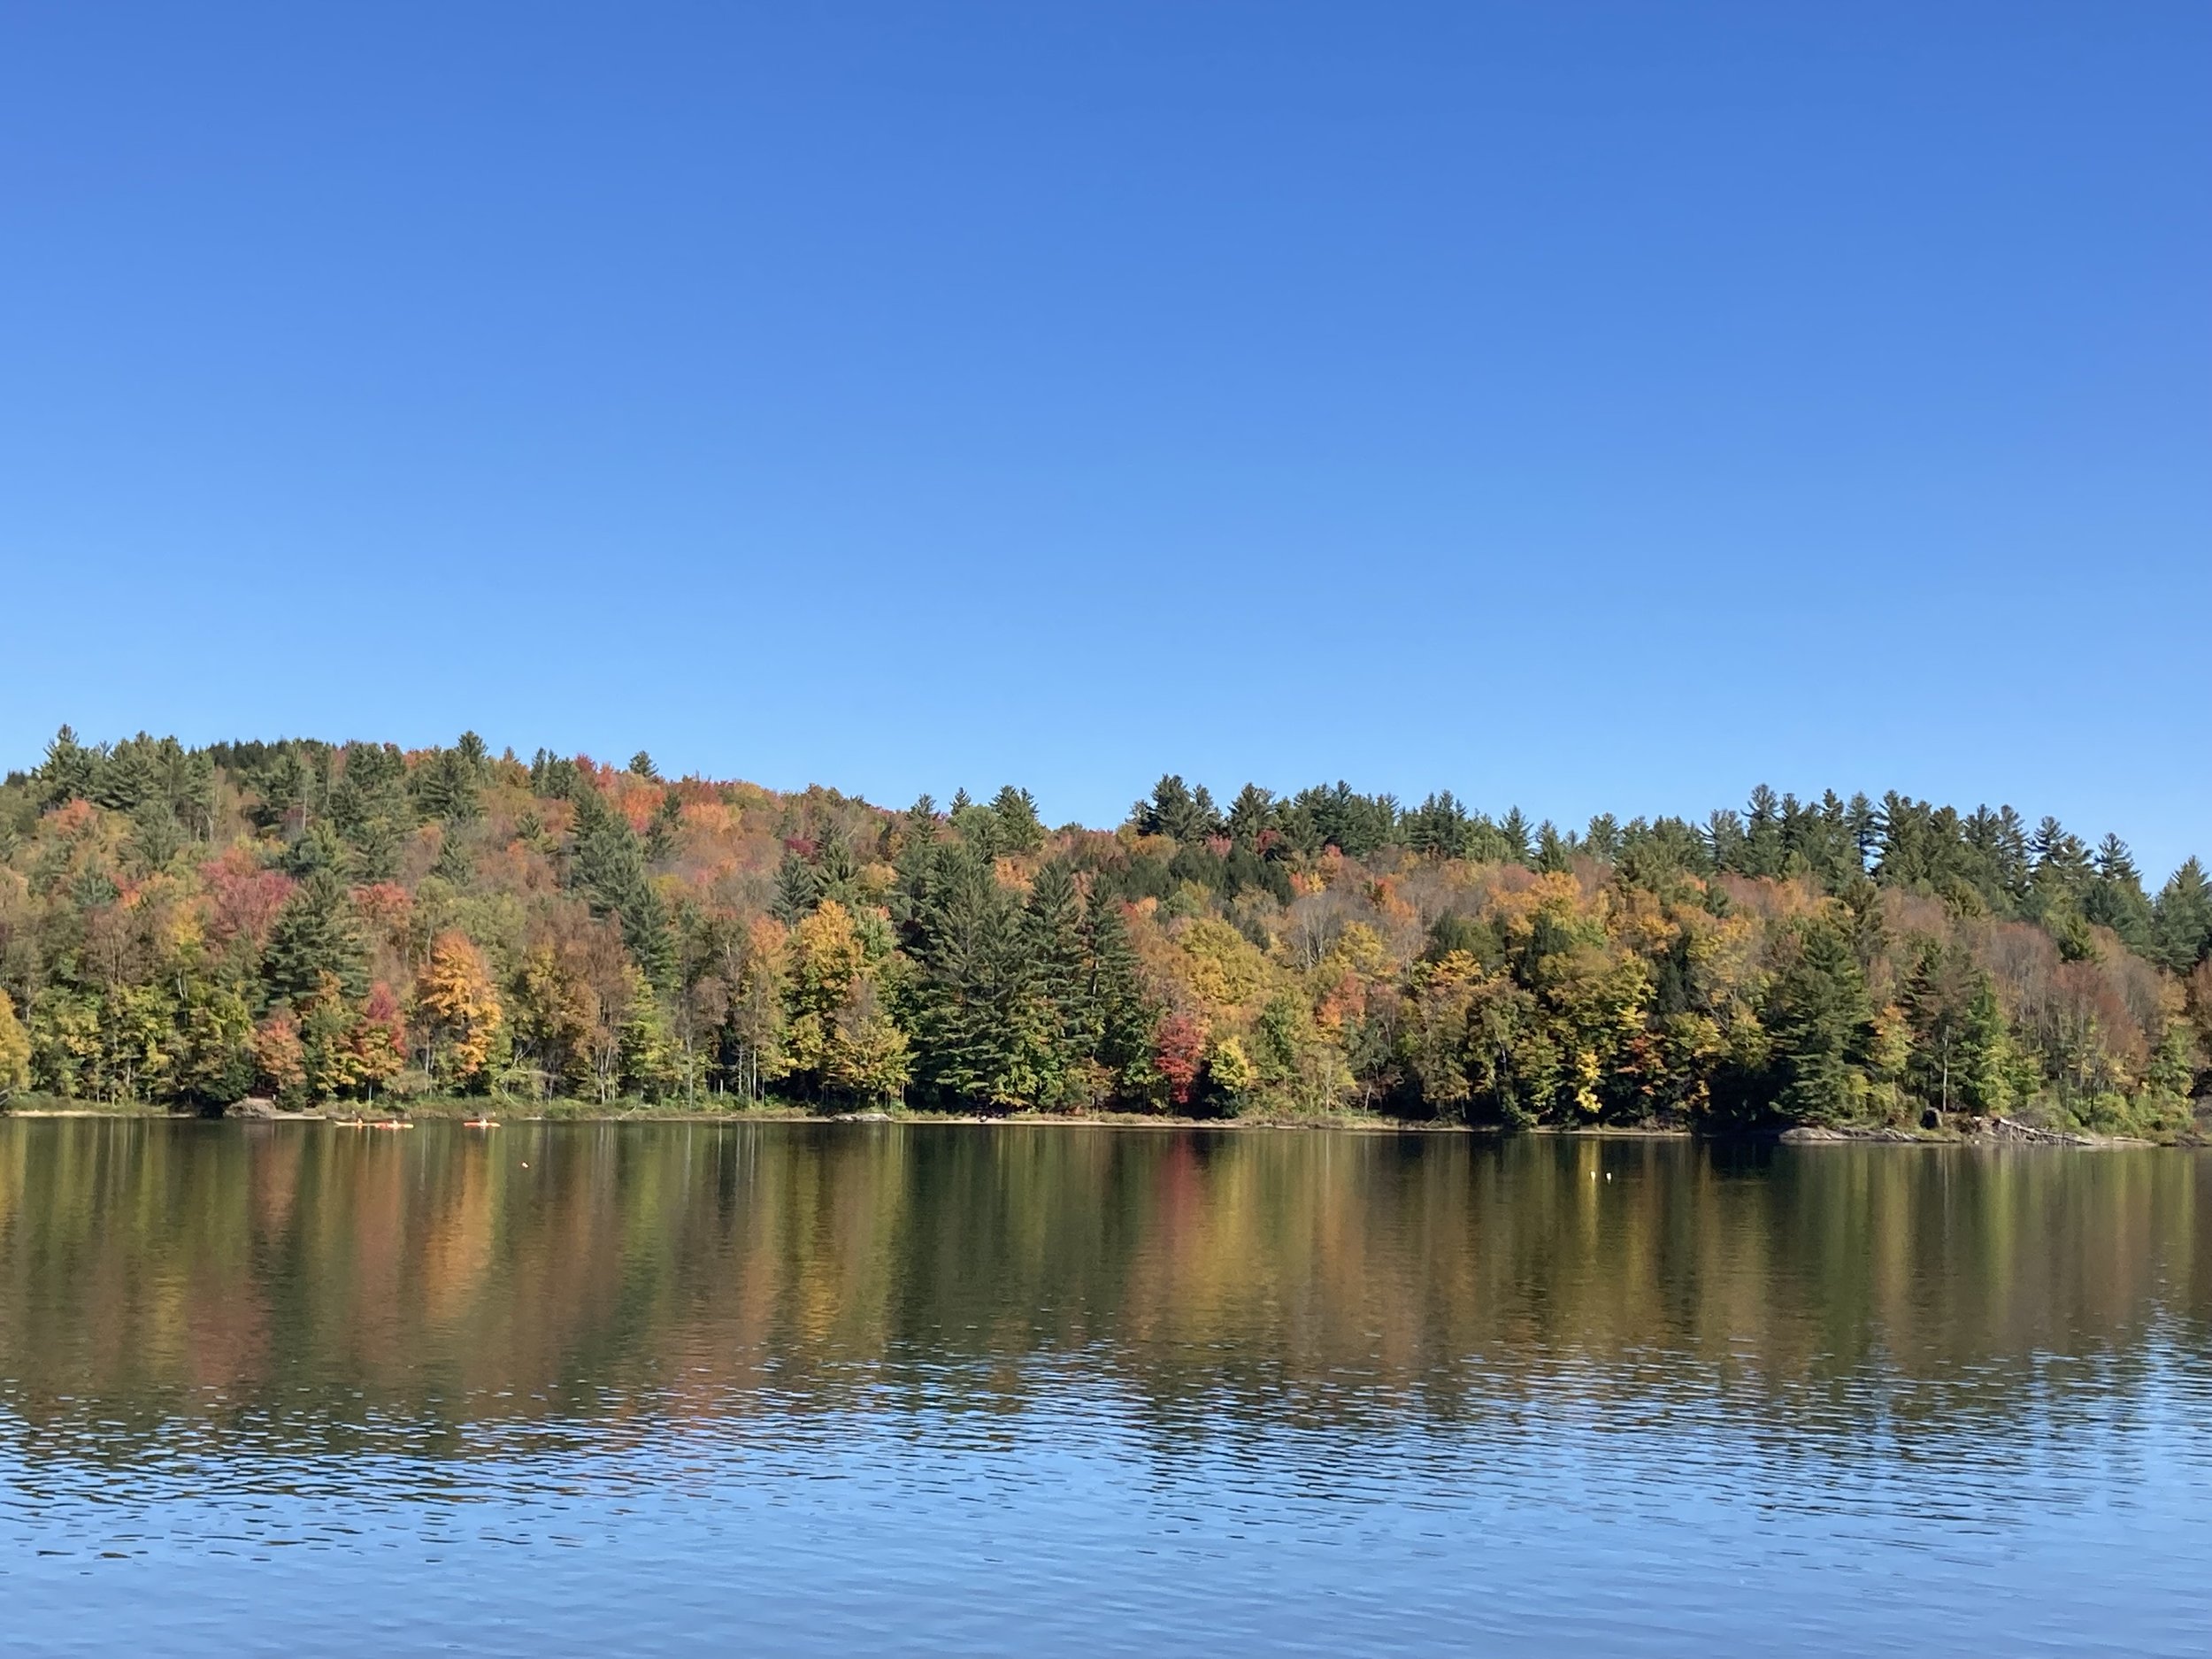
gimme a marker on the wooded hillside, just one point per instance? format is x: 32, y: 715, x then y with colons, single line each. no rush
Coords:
x: 313, y: 921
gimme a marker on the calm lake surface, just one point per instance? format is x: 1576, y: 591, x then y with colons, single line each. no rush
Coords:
x: 846, y: 1388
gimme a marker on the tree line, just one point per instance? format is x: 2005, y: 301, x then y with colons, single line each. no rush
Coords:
x: 310, y: 921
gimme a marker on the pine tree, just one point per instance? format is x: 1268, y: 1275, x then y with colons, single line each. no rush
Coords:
x: 1252, y: 815
x: 665, y: 834
x: 1985, y: 1051
x: 983, y: 1028
x: 1818, y: 1018
x: 1763, y: 852
x: 1052, y: 925
x: 1553, y: 854
x: 1178, y: 811
x: 195, y: 794
x: 1438, y: 826
x: 608, y: 866
x: 1724, y: 839
x: 454, y: 866
x: 1126, y: 1020
x: 2182, y: 922
x: 315, y: 934
x: 798, y: 890
x: 1020, y: 828
x: 157, y: 836
x: 1513, y: 828
x: 1955, y: 1029
x: 130, y: 776
x: 70, y: 772
x: 448, y: 783
x: 377, y: 847
x: 2114, y: 898
x: 370, y: 807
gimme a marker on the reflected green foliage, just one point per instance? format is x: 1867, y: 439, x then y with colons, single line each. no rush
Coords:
x: 298, y: 1281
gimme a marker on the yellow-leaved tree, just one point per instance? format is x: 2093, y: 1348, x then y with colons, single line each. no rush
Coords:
x: 457, y: 1010
x: 841, y: 1033
x: 15, y: 1051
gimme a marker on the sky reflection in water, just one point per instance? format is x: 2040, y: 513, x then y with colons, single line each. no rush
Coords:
x: 798, y: 1388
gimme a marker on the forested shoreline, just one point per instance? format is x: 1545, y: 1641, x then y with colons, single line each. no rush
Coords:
x: 309, y: 922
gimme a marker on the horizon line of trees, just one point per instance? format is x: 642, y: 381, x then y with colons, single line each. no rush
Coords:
x: 309, y: 920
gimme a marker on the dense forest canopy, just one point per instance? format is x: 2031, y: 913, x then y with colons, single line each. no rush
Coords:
x: 310, y: 921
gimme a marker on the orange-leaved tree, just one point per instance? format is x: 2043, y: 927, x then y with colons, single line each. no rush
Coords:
x: 459, y: 1011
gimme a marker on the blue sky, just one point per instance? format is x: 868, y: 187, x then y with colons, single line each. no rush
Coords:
x: 1578, y: 406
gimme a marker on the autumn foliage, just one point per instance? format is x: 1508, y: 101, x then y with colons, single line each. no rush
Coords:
x: 317, y: 922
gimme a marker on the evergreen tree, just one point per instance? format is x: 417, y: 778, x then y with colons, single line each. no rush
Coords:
x: 1956, y: 1031
x: 1438, y: 826
x: 1059, y: 963
x: 1252, y: 815
x: 976, y: 825
x: 284, y: 787
x: 1125, y: 1018
x: 1019, y: 829
x: 982, y: 1027
x: 920, y: 820
x: 1762, y: 853
x: 157, y: 836
x: 315, y: 934
x: 194, y: 795
x: 608, y: 866
x: 1724, y: 839
x: 370, y: 807
x: 70, y: 771
x: 1864, y: 825
x: 448, y: 783
x: 454, y: 866
x: 1513, y: 830
x: 1178, y: 811
x: 2114, y: 898
x: 377, y: 847
x: 2182, y: 921
x: 798, y: 889
x: 130, y: 776
x: 1818, y: 1018
x: 2058, y: 854
x: 1553, y: 853
x: 665, y: 834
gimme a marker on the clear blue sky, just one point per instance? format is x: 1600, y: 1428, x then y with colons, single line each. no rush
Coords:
x: 1579, y: 406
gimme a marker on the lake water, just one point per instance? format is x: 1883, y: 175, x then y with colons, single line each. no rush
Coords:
x: 846, y: 1388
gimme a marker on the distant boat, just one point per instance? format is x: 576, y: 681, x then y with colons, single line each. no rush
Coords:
x: 480, y: 1123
